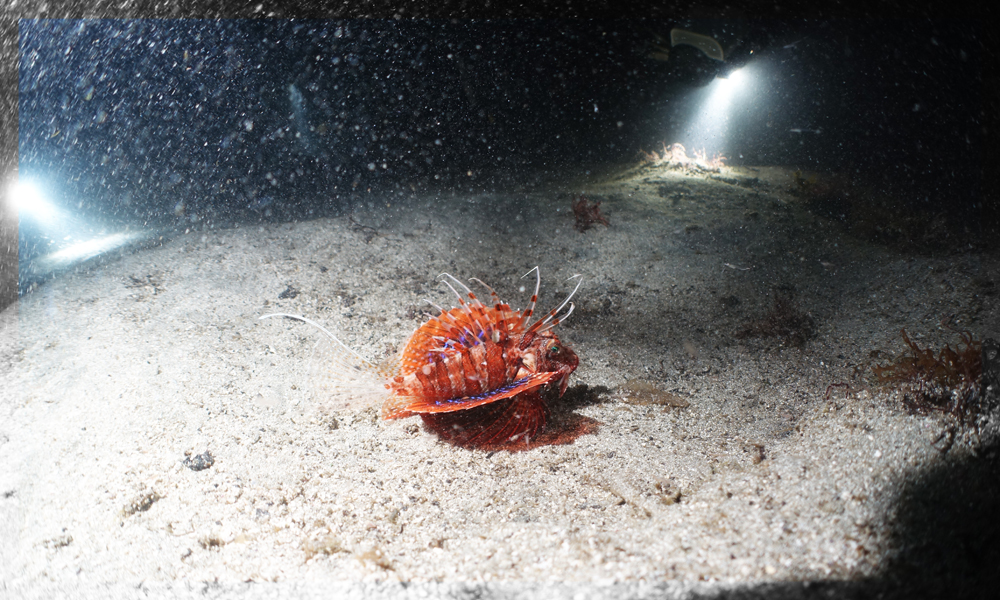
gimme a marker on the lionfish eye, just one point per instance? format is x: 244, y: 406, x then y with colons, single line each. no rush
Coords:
x: 554, y: 349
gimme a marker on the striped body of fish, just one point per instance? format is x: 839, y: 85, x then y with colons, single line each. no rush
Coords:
x: 479, y: 376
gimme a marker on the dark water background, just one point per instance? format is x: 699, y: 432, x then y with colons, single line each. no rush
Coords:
x: 205, y: 123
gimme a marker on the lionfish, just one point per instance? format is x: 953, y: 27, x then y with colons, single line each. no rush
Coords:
x: 479, y: 377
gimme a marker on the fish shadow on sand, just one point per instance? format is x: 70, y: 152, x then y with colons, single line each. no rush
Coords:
x: 566, y: 425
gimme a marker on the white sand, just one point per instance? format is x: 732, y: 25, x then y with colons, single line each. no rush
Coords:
x: 112, y: 375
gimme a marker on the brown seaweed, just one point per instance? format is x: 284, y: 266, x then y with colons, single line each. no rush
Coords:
x: 947, y: 381
x: 587, y: 214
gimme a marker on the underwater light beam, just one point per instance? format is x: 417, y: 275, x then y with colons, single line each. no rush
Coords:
x: 88, y: 249
x: 54, y: 228
x: 709, y: 127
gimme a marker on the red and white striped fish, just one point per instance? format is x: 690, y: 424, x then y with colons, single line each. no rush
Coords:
x: 478, y: 376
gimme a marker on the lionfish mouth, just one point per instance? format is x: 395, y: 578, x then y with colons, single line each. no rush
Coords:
x: 563, y: 384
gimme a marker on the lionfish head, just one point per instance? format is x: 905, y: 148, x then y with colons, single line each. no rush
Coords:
x: 553, y: 356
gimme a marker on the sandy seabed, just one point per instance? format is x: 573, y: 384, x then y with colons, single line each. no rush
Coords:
x: 157, y: 439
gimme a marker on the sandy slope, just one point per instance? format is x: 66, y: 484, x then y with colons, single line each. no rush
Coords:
x: 113, y: 376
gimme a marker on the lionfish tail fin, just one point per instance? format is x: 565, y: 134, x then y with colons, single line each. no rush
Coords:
x: 341, y: 379
x: 395, y: 407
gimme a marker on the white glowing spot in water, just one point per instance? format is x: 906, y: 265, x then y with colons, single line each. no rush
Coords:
x: 521, y: 289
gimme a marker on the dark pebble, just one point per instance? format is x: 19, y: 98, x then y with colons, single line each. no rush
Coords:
x: 199, y: 462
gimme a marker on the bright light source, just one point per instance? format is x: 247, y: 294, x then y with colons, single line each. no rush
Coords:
x: 722, y: 90
x: 28, y: 201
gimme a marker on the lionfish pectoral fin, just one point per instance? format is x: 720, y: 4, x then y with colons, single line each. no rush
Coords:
x: 522, y: 421
x: 512, y: 424
x: 533, y: 381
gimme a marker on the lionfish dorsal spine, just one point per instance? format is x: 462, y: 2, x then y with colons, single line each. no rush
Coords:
x: 526, y: 315
x: 470, y: 308
x: 551, y: 320
x: 448, y: 322
x: 501, y: 310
